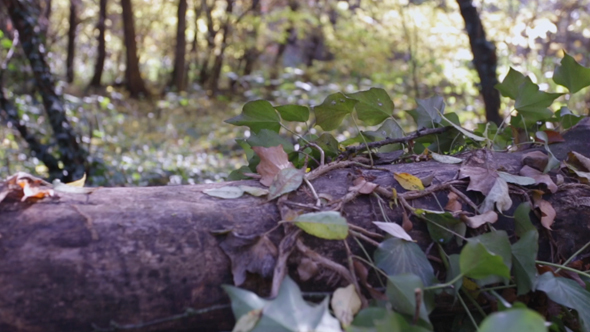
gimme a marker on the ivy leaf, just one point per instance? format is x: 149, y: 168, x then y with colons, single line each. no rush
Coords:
x: 571, y: 74
x: 477, y: 262
x: 524, y: 254
x: 514, y: 320
x: 567, y: 118
x: 374, y: 106
x: 428, y: 112
x: 396, y: 256
x: 530, y: 100
x: 439, y: 223
x: 295, y: 113
x: 257, y: 115
x: 522, y: 219
x: 268, y: 138
x: 567, y: 293
x: 394, y: 322
x: 288, y: 312
x: 511, y: 83
x: 389, y: 129
x: 329, y: 225
x: 331, y: 112
x: 286, y: 181
x: 401, y: 294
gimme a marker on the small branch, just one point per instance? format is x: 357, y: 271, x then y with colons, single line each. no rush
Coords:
x: 412, y: 136
x: 464, y: 198
x: 353, y: 275
x: 366, y: 238
x: 365, y: 232
x: 326, y: 262
x: 285, y: 249
x: 318, y: 202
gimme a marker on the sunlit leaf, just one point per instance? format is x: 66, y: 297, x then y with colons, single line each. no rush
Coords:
x: 514, y: 320
x: 374, y: 106
x: 247, y: 322
x: 296, y: 113
x: 257, y: 115
x: 393, y: 229
x: 571, y: 74
x: 510, y: 84
x: 567, y: 293
x: 530, y: 100
x: 396, y: 256
x: 408, y: 181
x: 329, y: 225
x: 78, y: 183
x: 331, y: 112
x: 286, y: 181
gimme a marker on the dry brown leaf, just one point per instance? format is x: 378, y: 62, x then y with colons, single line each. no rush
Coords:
x: 553, y: 137
x: 406, y: 222
x: 578, y: 160
x: 453, y: 204
x: 535, y: 159
x: 476, y: 221
x: 481, y: 170
x: 363, y: 186
x: 539, y: 177
x: 272, y: 160
x: 547, y: 211
x: 307, y: 269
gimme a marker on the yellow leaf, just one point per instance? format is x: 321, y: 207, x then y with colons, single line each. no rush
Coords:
x: 408, y: 181
x: 78, y: 183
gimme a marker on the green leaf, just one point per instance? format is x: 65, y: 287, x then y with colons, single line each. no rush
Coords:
x: 394, y: 322
x: 567, y: 293
x: 329, y: 225
x: 227, y: 192
x: 389, y: 129
x: 524, y: 254
x: 428, y: 112
x: 257, y: 115
x: 328, y: 143
x: 571, y: 74
x: 530, y: 100
x: 511, y: 83
x: 522, y: 219
x: 331, y: 112
x: 477, y: 262
x: 296, y: 113
x: 463, y: 131
x: 286, y: 181
x: 454, y: 271
x: 368, y: 316
x: 396, y: 256
x: 238, y: 174
x: 401, y: 294
x: 444, y: 221
x: 267, y: 138
x: 514, y: 320
x: 288, y: 312
x: 374, y: 106
x: 567, y: 118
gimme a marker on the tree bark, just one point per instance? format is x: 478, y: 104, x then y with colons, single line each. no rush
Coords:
x: 71, y: 41
x: 101, y: 52
x: 218, y: 63
x: 178, y: 79
x: 136, y: 255
x: 484, y: 59
x: 71, y: 154
x: 133, y: 80
x: 204, y: 73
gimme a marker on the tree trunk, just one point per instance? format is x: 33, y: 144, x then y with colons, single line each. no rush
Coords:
x: 71, y: 41
x: 484, y: 59
x: 218, y: 63
x: 133, y: 80
x: 137, y: 255
x: 101, y: 52
x: 71, y: 154
x: 179, y: 70
x: 204, y: 73
x: 290, y: 38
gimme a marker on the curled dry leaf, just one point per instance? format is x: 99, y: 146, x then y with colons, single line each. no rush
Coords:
x: 539, y: 177
x: 307, y: 269
x: 453, y: 204
x: 362, y: 186
x: 476, y: 221
x: 481, y: 179
x: 578, y: 160
x: 535, y: 159
x: 345, y: 303
x: 272, y: 160
x: 406, y: 222
x: 547, y: 211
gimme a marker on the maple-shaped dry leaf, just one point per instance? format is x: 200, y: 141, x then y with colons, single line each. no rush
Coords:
x: 547, y: 211
x: 254, y: 254
x: 363, y: 186
x: 272, y: 160
x: 481, y: 170
x: 476, y: 221
x: 453, y: 204
x: 408, y: 181
x: 539, y: 177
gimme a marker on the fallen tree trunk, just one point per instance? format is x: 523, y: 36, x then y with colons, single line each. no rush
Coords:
x: 136, y: 255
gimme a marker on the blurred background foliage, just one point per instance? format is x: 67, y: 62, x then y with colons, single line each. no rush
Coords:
x: 168, y: 128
